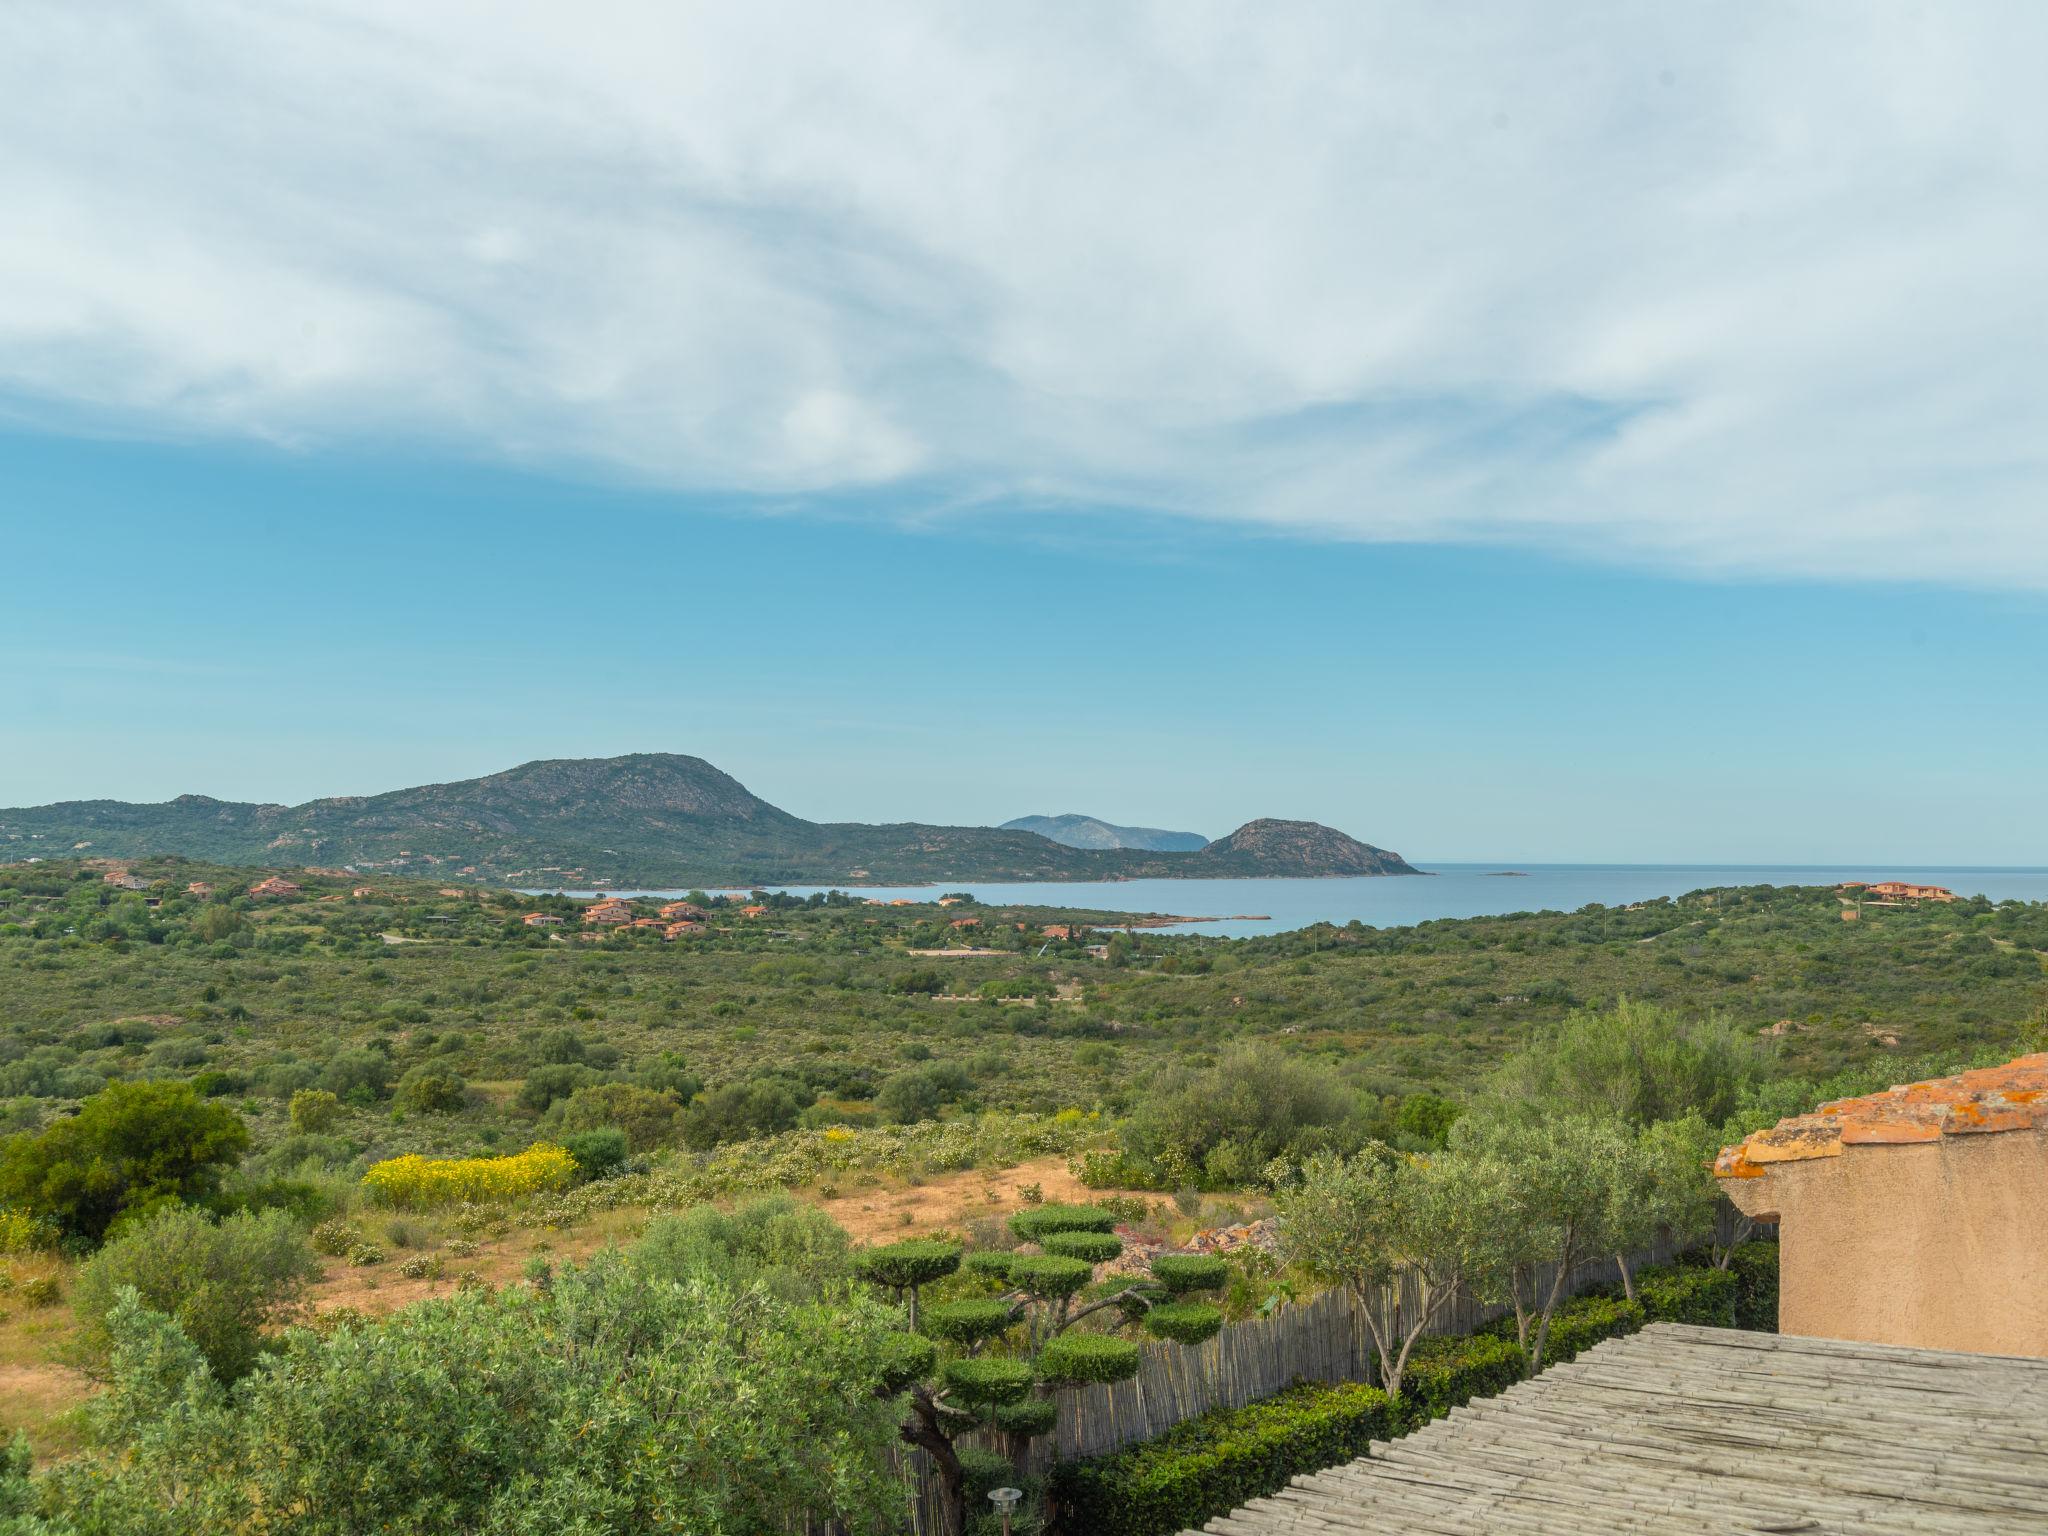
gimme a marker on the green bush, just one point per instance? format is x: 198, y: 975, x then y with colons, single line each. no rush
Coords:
x: 1447, y: 1373
x: 430, y: 1090
x: 989, y: 1263
x: 1072, y: 1359
x: 1041, y: 1221
x: 1184, y: 1273
x: 129, y: 1149
x: 1184, y: 1322
x: 794, y: 1249
x: 966, y: 1322
x: 1586, y: 1320
x: 1684, y: 1293
x: 1049, y: 1275
x: 1755, y: 1267
x: 983, y: 1384
x: 1090, y: 1247
x: 900, y: 1266
x: 650, y: 1117
x: 1201, y: 1468
x: 223, y: 1283
x: 598, y: 1152
x: 313, y: 1111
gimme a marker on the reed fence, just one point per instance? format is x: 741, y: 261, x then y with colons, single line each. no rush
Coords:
x: 1322, y: 1339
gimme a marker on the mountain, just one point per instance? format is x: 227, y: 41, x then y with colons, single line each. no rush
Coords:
x: 1089, y: 832
x: 649, y: 819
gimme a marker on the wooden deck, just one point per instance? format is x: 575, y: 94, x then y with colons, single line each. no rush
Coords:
x: 1691, y: 1430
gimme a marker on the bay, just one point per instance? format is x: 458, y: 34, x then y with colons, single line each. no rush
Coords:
x: 1244, y: 907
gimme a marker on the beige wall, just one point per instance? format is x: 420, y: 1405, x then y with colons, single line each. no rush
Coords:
x: 1940, y: 1244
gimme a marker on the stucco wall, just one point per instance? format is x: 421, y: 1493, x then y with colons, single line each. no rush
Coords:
x: 1943, y: 1244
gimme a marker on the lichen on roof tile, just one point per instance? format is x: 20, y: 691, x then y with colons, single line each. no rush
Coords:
x: 2010, y: 1097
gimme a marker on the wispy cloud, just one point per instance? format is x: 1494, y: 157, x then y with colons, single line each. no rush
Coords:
x: 1725, y: 290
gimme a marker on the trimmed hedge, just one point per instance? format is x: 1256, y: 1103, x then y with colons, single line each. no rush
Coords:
x: 1446, y: 1373
x: 1680, y: 1293
x: 1211, y: 1464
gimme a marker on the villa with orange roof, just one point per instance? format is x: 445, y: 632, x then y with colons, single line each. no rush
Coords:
x: 274, y: 886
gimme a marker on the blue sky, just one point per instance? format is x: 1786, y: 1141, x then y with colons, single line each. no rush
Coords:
x: 1586, y: 431
x: 266, y: 625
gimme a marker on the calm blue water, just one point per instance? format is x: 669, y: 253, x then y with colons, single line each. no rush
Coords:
x: 1452, y: 890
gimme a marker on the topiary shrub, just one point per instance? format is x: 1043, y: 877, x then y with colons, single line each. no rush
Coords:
x: 1041, y: 1221
x: 988, y: 1263
x: 967, y: 1322
x: 1184, y: 1322
x: 985, y: 1384
x: 1049, y: 1275
x: 1089, y: 1247
x: 1185, y: 1273
x: 1211, y: 1464
x: 1075, y: 1359
x: 902, y: 1266
x: 906, y: 1358
x: 1027, y: 1417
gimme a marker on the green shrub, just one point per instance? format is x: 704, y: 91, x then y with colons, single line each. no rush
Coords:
x: 334, y: 1237
x: 1684, y: 1293
x: 598, y: 1153
x: 1048, y: 1275
x: 1072, y: 1359
x: 1184, y: 1322
x: 794, y: 1249
x: 967, y: 1322
x: 1207, y: 1465
x: 1447, y: 1373
x: 982, y: 1384
x: 1586, y: 1320
x: 649, y: 1117
x: 223, y: 1282
x: 900, y: 1266
x: 313, y: 1111
x: 1755, y: 1267
x: 41, y: 1290
x: 1041, y: 1221
x: 1185, y: 1273
x: 989, y: 1263
x: 129, y: 1149
x: 1090, y: 1247
x: 431, y: 1090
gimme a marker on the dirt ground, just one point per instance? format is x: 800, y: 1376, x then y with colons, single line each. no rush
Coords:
x: 947, y: 1202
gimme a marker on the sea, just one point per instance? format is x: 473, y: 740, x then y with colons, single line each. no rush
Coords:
x: 1238, y: 908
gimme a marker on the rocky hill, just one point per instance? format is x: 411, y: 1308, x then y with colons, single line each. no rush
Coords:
x: 1268, y: 847
x: 649, y: 819
x: 1072, y: 831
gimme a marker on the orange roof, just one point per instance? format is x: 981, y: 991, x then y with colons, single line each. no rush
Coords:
x: 2013, y: 1097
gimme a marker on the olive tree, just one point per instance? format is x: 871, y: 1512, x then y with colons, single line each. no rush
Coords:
x: 1367, y: 1221
x: 993, y: 1360
x: 1542, y: 1195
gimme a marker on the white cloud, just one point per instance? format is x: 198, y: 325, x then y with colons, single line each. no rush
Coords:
x: 1736, y: 289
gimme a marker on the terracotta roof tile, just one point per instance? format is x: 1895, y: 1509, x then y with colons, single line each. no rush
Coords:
x: 2012, y: 1097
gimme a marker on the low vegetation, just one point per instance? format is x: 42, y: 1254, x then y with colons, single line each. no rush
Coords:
x: 363, y: 1208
